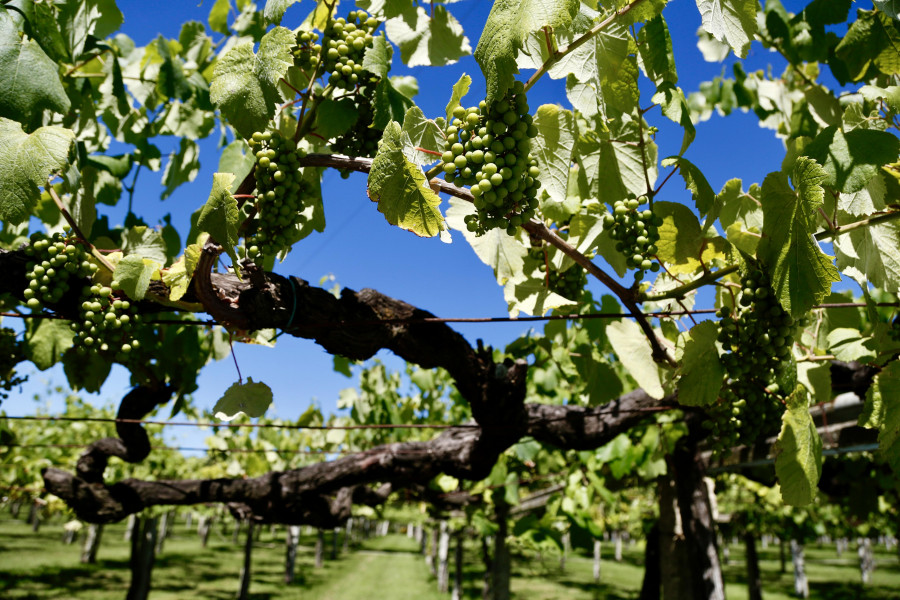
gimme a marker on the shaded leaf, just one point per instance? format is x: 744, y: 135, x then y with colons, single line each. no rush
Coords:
x: 798, y: 451
x: 701, y: 369
x: 251, y: 398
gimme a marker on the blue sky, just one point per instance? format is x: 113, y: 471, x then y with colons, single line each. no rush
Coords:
x: 360, y: 249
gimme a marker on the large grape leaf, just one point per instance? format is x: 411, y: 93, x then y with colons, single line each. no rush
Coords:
x: 46, y: 340
x: 798, y: 451
x: 275, y: 10
x: 400, y: 189
x: 730, y: 21
x: 633, y: 350
x: 852, y: 159
x: 26, y: 161
x: 553, y: 149
x: 694, y: 181
x: 134, y: 273
x: 420, y: 134
x: 680, y: 240
x: 220, y: 216
x: 882, y: 412
x: 244, y: 84
x: 532, y: 297
x: 182, y: 166
x: 701, y: 369
x: 252, y: 399
x: 508, y: 25
x: 800, y: 272
x: 428, y: 41
x: 873, y: 252
x: 30, y: 78
x: 505, y: 254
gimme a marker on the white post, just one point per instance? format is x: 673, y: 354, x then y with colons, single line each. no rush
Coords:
x: 801, y: 584
x: 597, y: 561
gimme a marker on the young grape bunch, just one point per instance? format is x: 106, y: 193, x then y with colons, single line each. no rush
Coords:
x: 346, y: 42
x: 489, y: 149
x: 568, y: 284
x: 361, y: 139
x: 636, y: 234
x: 757, y: 338
x: 108, y: 322
x: 280, y: 194
x: 54, y: 263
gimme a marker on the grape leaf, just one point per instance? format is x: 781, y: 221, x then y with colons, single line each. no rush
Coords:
x: 179, y: 275
x: 655, y: 52
x: 182, y: 166
x: 553, y: 149
x: 680, y: 240
x: 674, y: 106
x: 220, y: 216
x: 245, y: 85
x: 633, y: 350
x: 800, y: 272
x: 46, y: 340
x: 852, y: 159
x: 146, y: 242
x: 275, y: 9
x: 400, y: 189
x: 134, y: 273
x: 694, y: 180
x: 505, y: 254
x: 509, y: 24
x: 30, y: 78
x: 218, y: 17
x: 849, y: 345
x: 798, y: 451
x: 251, y: 398
x: 701, y: 369
x: 882, y: 412
x: 388, y: 104
x: 428, y: 41
x: 377, y: 59
x: 86, y: 371
x: 26, y: 161
x: 873, y: 252
x: 816, y: 377
x: 236, y: 158
x: 889, y: 7
x: 730, y: 21
x: 420, y: 133
x: 460, y: 89
x: 531, y: 296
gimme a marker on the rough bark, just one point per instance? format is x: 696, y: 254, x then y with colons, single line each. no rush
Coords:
x: 754, y: 582
x: 501, y: 564
x: 650, y: 589
x: 673, y: 556
x: 91, y: 544
x: 443, y: 559
x: 697, y: 522
x: 143, y: 554
x: 320, y: 548
x: 290, y: 560
x: 244, y: 591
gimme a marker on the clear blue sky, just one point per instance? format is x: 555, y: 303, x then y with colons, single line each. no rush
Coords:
x: 360, y: 249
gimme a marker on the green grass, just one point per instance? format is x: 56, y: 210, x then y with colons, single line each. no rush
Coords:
x: 39, y: 566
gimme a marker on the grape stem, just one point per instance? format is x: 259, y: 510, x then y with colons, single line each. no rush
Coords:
x: 682, y: 290
x: 75, y: 228
x: 557, y: 54
x: 842, y: 229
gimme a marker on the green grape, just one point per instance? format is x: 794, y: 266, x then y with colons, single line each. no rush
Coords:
x: 757, y: 336
x: 488, y: 150
x: 636, y: 234
x: 55, y: 264
x: 361, y: 139
x: 568, y: 284
x: 345, y: 41
x: 281, y: 195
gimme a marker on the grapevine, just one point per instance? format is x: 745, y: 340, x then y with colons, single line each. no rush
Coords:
x: 280, y: 194
x: 568, y: 283
x: 488, y: 148
x: 635, y: 232
x: 757, y: 337
x: 10, y: 355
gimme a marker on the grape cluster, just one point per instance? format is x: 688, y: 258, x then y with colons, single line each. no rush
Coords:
x: 489, y: 149
x: 360, y: 139
x: 635, y: 232
x: 54, y: 263
x: 11, y: 354
x: 108, y: 322
x: 346, y: 41
x: 757, y: 338
x: 106, y: 319
x: 280, y: 193
x: 568, y: 284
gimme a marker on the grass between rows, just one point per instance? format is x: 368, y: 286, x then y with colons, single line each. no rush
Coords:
x: 39, y: 566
